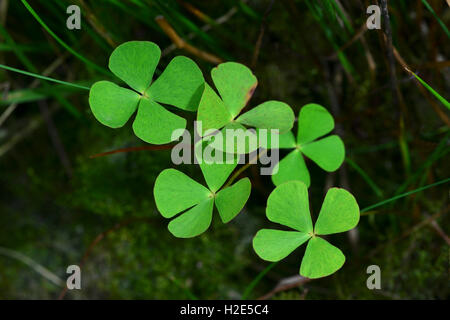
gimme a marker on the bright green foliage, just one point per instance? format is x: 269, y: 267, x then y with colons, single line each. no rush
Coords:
x: 230, y: 201
x: 314, y: 121
x: 288, y: 205
x: 434, y: 92
x: 215, y: 173
x: 135, y: 62
x: 235, y: 83
x: 188, y: 192
x: 321, y: 259
x: 190, y: 204
x: 194, y: 221
x: 269, y: 115
x: 175, y: 192
x: 180, y: 85
x: 337, y: 213
x: 269, y: 239
x: 112, y: 105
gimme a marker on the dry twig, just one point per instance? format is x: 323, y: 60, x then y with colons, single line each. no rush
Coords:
x: 181, y: 44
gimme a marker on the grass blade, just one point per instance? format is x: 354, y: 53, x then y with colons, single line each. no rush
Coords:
x: 61, y: 42
x: 443, y: 26
x: 382, y: 203
x: 433, y: 92
x: 255, y: 281
x: 43, y: 77
x: 365, y: 176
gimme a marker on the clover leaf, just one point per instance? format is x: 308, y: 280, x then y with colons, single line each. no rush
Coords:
x: 314, y: 121
x: 288, y: 205
x: 180, y: 85
x: 177, y: 193
x: 236, y: 84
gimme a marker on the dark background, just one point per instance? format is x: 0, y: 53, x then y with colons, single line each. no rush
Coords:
x: 59, y: 206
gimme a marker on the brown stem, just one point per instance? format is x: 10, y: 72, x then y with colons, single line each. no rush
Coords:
x: 181, y: 44
x: 408, y: 232
x: 285, y: 285
x: 441, y: 114
x: 93, y: 21
x: 195, y: 11
x: 262, y: 29
x: 132, y: 149
x: 440, y: 232
x: 355, y: 38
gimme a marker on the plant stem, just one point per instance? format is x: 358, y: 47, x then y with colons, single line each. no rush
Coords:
x: 365, y: 176
x: 443, y: 26
x: 434, y: 92
x: 43, y: 77
x: 131, y: 149
x: 61, y: 42
x: 382, y: 203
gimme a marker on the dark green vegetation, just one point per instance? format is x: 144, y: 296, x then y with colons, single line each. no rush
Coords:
x: 60, y: 207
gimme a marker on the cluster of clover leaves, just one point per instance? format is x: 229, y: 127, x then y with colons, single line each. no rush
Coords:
x: 189, y: 203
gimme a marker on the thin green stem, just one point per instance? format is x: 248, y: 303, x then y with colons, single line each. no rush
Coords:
x: 443, y: 26
x: 365, y: 176
x: 31, y: 68
x: 61, y: 42
x: 434, y: 92
x: 243, y: 168
x: 382, y: 203
x: 43, y: 77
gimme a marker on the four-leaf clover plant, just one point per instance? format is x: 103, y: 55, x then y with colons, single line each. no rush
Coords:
x: 180, y: 85
x: 288, y: 205
x: 236, y: 84
x: 314, y: 121
x: 176, y: 193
